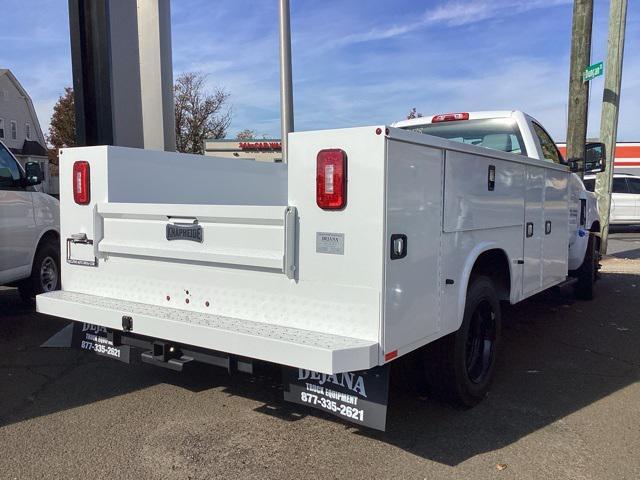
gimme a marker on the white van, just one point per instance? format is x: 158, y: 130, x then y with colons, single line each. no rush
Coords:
x: 29, y: 229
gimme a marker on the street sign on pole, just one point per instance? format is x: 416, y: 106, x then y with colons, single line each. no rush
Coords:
x: 593, y: 71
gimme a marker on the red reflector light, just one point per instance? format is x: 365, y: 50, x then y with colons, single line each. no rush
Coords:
x: 390, y: 355
x: 81, y: 189
x: 449, y: 117
x: 331, y: 179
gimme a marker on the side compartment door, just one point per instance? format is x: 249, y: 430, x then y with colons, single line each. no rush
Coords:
x: 555, y: 246
x: 533, y: 230
x: 414, y: 224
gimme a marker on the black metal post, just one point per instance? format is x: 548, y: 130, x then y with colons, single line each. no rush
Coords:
x: 91, y: 62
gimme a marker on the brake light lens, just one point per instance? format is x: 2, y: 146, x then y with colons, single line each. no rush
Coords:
x: 331, y: 179
x: 81, y: 183
x: 450, y: 117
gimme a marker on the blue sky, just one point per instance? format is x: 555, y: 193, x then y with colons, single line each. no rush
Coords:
x: 355, y: 62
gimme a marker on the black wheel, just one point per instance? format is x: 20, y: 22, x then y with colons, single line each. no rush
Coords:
x: 459, y: 367
x: 587, y: 272
x: 45, y: 272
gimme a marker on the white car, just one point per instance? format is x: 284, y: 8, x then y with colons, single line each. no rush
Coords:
x: 29, y: 229
x: 625, y: 198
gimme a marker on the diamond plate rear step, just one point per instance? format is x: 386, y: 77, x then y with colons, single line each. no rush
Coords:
x: 273, y: 343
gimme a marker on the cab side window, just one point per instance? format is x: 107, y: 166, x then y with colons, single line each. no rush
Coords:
x: 619, y: 185
x: 9, y: 170
x: 634, y: 185
x: 549, y: 149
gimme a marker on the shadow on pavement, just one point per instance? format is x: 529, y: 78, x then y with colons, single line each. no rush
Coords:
x: 559, y: 355
x: 38, y: 381
x: 624, y: 242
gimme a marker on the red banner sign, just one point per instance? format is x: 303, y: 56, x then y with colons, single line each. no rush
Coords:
x: 261, y: 145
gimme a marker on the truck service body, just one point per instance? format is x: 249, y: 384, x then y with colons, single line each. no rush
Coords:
x: 361, y: 249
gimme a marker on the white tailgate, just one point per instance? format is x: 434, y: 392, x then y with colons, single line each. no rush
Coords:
x: 251, y: 236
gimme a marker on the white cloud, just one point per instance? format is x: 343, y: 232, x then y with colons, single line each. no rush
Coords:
x: 450, y: 14
x: 462, y: 13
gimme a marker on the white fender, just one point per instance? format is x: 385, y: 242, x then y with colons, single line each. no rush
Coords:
x: 466, y: 274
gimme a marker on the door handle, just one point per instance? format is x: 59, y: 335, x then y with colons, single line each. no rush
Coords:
x: 398, y: 246
x: 529, y: 231
x: 491, y: 178
x: 547, y: 227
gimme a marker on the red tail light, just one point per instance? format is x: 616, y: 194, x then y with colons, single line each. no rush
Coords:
x: 331, y: 179
x: 81, y: 183
x: 449, y: 117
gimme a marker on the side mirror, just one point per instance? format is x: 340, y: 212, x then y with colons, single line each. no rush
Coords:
x: 33, y: 173
x: 594, y: 157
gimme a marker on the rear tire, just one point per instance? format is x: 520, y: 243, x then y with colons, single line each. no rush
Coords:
x: 459, y: 368
x: 45, y: 272
x: 586, y: 274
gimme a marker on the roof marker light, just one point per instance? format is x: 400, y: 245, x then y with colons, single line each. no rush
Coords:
x: 450, y: 117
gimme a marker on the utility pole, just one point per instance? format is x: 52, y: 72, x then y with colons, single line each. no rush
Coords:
x: 610, y: 109
x: 286, y: 83
x: 578, y: 88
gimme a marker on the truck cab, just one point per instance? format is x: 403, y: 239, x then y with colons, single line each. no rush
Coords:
x: 29, y: 229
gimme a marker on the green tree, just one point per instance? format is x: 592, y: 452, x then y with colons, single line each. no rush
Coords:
x: 62, y: 130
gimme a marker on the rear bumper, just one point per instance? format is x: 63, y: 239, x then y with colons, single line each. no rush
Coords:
x: 273, y: 343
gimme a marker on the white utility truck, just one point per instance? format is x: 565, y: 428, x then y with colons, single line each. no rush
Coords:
x: 370, y: 243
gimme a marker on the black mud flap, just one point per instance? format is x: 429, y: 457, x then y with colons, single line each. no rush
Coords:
x: 92, y: 338
x: 358, y: 397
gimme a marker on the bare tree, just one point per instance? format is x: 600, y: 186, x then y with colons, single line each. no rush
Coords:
x: 199, y: 114
x: 413, y: 113
x: 246, y: 134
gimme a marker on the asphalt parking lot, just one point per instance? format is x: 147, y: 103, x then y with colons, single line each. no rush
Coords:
x: 625, y: 242
x: 565, y: 405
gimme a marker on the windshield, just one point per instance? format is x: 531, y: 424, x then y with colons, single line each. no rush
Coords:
x: 496, y: 133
